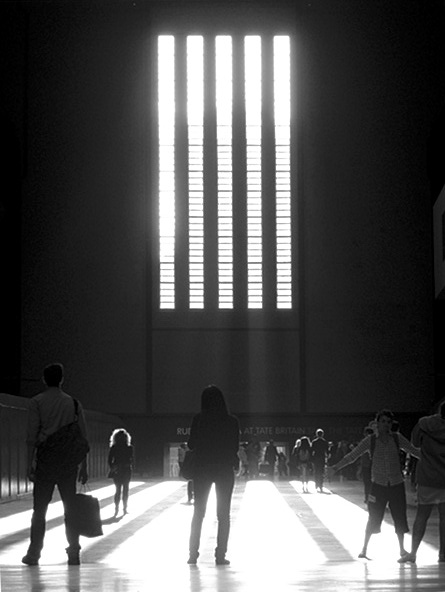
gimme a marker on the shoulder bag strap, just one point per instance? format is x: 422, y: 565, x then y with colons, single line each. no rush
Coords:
x: 76, y: 409
x: 373, y: 438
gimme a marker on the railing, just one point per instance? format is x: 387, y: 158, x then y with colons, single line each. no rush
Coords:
x: 13, y: 461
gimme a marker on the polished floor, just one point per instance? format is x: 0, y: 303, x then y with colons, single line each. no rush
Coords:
x: 281, y: 540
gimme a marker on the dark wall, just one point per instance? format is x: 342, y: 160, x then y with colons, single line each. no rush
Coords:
x: 367, y: 97
x: 13, y: 101
x: 85, y: 207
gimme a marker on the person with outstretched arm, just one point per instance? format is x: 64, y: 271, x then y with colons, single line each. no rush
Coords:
x: 387, y: 480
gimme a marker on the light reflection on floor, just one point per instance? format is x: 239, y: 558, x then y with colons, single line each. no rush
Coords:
x: 348, y: 522
x: 281, y: 539
x: 275, y: 533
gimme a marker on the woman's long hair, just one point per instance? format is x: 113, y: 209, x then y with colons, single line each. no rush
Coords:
x: 120, y: 437
x: 213, y: 402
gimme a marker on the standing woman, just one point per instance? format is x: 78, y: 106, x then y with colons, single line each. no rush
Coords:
x: 304, y: 459
x: 120, y: 461
x: 214, y: 438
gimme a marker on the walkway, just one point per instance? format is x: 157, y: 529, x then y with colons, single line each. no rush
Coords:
x: 281, y: 540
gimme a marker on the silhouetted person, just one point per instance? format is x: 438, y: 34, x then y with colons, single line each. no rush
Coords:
x: 244, y: 465
x: 282, y: 465
x: 429, y: 435
x: 48, y: 412
x: 293, y: 463
x: 320, y: 449
x: 214, y: 438
x: 304, y: 460
x: 270, y: 457
x: 120, y: 461
x: 181, y: 456
x: 253, y: 458
x: 388, y: 486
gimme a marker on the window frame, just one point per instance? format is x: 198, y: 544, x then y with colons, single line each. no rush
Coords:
x: 239, y: 315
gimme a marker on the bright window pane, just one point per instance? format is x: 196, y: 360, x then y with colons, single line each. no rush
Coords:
x: 192, y: 160
x: 253, y: 103
x: 166, y: 134
x: 195, y: 127
x: 282, y: 165
x: 223, y: 72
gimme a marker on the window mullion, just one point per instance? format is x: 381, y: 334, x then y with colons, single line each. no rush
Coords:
x: 181, y: 181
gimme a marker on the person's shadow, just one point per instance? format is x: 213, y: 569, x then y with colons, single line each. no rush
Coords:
x: 112, y: 520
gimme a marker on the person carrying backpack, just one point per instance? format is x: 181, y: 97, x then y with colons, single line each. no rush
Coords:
x: 387, y: 480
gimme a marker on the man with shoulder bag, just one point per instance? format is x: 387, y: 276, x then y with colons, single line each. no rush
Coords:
x: 57, y: 455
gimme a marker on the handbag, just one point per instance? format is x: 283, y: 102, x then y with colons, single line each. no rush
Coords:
x: 61, y: 453
x: 187, y: 470
x: 112, y: 473
x: 85, y: 513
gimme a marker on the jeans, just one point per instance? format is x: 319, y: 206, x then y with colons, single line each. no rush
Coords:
x: 42, y: 495
x: 224, y: 481
x: 319, y: 469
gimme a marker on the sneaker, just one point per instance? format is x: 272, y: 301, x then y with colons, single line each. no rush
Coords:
x: 192, y: 560
x: 30, y: 560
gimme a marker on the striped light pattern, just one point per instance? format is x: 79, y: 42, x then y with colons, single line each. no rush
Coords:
x: 252, y: 93
x: 224, y: 132
x: 283, y: 171
x: 195, y: 127
x: 210, y: 172
x: 166, y: 135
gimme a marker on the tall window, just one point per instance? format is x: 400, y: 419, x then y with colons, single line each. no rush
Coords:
x: 166, y: 118
x: 253, y: 103
x: 217, y: 109
x: 283, y: 171
x: 224, y: 134
x: 195, y: 129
